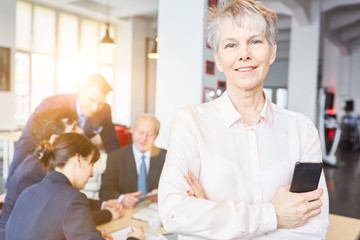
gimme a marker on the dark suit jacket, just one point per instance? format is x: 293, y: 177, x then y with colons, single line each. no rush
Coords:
x: 52, y: 209
x: 120, y: 176
x: 28, y: 173
x: 100, y: 121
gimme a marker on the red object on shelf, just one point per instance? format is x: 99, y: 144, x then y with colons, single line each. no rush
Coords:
x: 123, y: 135
x: 331, y: 111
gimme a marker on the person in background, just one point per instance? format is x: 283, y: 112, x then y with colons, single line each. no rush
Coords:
x: 240, y: 147
x: 46, y: 124
x: 55, y: 208
x: 93, y: 116
x: 136, y: 168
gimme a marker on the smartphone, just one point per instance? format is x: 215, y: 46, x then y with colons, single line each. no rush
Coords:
x: 150, y: 194
x: 306, y: 177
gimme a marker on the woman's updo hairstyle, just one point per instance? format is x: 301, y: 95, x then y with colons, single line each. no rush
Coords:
x: 244, y: 13
x: 64, y: 147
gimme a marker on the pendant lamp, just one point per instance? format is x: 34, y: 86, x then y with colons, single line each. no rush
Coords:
x: 107, y: 40
x: 153, y: 54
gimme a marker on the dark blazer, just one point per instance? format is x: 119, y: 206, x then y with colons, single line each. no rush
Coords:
x: 52, y: 209
x: 100, y: 122
x: 28, y: 173
x: 120, y: 176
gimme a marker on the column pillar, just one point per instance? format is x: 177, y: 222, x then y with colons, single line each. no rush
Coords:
x: 303, y: 64
x: 180, y: 62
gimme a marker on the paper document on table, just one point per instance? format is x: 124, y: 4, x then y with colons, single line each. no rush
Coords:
x: 144, y: 214
x: 122, y: 234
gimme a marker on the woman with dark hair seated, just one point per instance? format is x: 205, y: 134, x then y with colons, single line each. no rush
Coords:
x: 46, y: 123
x: 55, y: 208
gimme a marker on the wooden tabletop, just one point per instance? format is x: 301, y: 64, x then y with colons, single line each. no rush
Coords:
x: 127, y: 220
x: 340, y: 228
x: 343, y: 228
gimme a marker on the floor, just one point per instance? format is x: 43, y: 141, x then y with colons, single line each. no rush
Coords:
x: 344, y: 183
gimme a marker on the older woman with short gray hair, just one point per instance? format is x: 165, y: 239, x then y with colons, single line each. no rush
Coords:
x: 230, y: 161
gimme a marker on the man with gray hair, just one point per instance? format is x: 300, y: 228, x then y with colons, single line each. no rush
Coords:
x: 136, y: 168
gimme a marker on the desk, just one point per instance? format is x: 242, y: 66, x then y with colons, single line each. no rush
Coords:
x: 343, y: 228
x: 127, y: 220
x: 9, y: 138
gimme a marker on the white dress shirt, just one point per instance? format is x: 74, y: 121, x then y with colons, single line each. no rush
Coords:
x: 138, y: 160
x: 240, y: 168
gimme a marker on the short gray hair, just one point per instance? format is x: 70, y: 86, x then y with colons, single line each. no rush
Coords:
x: 244, y: 13
x: 151, y: 117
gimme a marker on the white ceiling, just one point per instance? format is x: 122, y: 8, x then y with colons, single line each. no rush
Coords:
x: 106, y: 10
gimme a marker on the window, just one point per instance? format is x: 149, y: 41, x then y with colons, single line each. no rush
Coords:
x: 277, y: 95
x: 22, y: 86
x: 55, y: 52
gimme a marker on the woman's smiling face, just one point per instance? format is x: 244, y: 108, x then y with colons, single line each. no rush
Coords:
x: 244, y: 55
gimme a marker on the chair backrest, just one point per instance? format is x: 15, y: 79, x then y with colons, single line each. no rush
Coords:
x: 123, y: 135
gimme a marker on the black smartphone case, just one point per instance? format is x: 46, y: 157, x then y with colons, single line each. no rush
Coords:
x: 306, y: 177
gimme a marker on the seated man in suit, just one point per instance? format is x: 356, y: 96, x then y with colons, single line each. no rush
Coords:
x: 136, y: 168
x: 93, y: 116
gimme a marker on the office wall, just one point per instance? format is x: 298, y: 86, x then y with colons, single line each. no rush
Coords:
x: 7, y: 39
x: 278, y: 74
x: 180, y: 62
x: 121, y: 110
x: 129, y: 97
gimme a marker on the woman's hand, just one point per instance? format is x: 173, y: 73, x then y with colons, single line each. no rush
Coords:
x: 115, y: 207
x: 196, y: 189
x: 294, y: 209
x: 105, y: 235
x: 138, y: 233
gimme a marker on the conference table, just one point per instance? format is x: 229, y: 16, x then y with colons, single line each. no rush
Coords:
x: 128, y: 220
x: 341, y: 228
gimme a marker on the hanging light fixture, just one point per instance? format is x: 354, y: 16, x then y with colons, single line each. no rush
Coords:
x: 107, y: 40
x: 153, y: 54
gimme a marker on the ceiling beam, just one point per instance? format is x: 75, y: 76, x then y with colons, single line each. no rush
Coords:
x: 340, y: 19
x: 127, y: 10
x: 331, y: 4
x: 335, y: 39
x: 350, y: 33
x: 277, y: 7
x: 300, y: 10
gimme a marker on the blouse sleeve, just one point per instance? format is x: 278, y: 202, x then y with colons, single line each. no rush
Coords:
x: 316, y: 227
